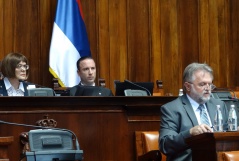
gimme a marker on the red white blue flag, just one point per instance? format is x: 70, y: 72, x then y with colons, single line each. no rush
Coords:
x: 69, y: 42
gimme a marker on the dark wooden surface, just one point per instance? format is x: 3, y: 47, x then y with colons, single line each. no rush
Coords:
x: 4, y: 143
x: 209, y: 146
x: 105, y: 126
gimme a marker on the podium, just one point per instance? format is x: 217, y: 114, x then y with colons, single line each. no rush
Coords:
x: 210, y: 146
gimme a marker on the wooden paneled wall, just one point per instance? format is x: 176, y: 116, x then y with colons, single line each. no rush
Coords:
x: 138, y: 40
x: 26, y: 27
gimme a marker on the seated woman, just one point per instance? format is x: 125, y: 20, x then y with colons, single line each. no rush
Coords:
x: 14, y: 68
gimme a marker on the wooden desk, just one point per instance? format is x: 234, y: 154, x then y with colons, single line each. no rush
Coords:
x: 4, y: 143
x: 104, y: 126
x: 210, y: 146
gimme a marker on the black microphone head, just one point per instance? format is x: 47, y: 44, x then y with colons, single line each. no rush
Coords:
x: 233, y: 98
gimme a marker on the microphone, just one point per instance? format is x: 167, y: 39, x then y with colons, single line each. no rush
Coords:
x: 37, y: 86
x: 225, y: 89
x: 136, y: 85
x: 235, y: 99
x: 42, y: 127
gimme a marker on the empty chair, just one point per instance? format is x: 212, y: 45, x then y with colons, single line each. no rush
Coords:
x: 147, y: 146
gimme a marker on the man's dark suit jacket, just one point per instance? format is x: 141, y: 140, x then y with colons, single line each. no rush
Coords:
x: 80, y: 90
x: 3, y: 90
x: 177, y: 117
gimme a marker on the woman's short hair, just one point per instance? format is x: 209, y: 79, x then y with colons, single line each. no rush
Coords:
x: 10, y: 62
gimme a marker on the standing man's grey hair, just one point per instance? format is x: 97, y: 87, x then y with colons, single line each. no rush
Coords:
x: 188, y: 74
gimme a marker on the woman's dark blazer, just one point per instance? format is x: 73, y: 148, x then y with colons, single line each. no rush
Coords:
x: 3, y: 90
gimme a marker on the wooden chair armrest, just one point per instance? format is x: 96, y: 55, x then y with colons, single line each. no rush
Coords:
x: 153, y: 155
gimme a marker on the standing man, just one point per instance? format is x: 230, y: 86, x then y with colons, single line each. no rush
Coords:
x: 182, y: 118
x: 86, y: 70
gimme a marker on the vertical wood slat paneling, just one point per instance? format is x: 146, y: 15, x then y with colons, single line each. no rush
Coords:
x: 1, y: 25
x: 6, y: 30
x: 222, y: 34
x: 140, y: 40
x: 91, y: 17
x: 235, y: 44
x: 203, y: 24
x: 121, y: 56
x: 22, y: 23
x: 118, y: 43
x: 104, y: 39
x: 233, y: 40
x: 170, y: 44
x: 188, y: 23
x: 46, y: 20
x: 155, y: 46
x: 34, y: 53
x: 214, y: 41
x: 114, y: 37
x: 188, y: 43
x: 26, y: 36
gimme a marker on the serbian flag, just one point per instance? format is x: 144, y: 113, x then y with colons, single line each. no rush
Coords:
x: 69, y: 42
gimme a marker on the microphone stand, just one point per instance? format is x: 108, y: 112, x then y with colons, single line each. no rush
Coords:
x: 225, y: 89
x: 136, y: 85
x: 235, y: 99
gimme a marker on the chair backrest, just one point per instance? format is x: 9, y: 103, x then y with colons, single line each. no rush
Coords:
x: 150, y: 140
x: 101, y: 82
x: 237, y: 93
x: 158, y: 91
x: 147, y: 141
x: 231, y: 156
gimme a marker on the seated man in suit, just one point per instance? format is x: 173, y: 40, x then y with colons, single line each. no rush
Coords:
x: 190, y: 114
x: 87, y: 73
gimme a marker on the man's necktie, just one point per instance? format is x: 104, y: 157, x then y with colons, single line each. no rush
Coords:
x: 203, y: 115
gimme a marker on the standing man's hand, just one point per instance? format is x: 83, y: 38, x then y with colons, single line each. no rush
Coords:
x: 199, y: 129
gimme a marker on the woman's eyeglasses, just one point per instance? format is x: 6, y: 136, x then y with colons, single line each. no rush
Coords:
x: 20, y: 66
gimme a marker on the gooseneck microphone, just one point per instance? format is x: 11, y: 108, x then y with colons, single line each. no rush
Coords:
x: 140, y: 87
x: 226, y: 89
x: 233, y: 98
x: 42, y: 127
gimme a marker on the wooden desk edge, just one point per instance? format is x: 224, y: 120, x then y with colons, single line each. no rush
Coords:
x: 6, y: 140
